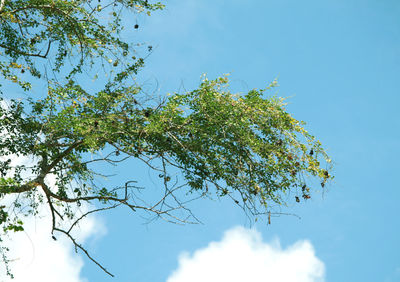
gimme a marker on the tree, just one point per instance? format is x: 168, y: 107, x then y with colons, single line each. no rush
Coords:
x: 200, y: 143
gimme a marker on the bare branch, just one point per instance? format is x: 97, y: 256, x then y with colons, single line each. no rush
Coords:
x: 89, y: 212
x: 53, y: 218
x: 84, y: 250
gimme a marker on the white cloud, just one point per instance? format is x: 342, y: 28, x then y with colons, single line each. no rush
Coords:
x: 35, y: 256
x: 242, y: 256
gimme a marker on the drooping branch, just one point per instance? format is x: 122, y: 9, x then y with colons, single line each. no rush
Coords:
x: 77, y: 245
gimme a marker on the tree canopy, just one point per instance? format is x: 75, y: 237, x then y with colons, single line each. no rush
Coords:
x: 201, y: 143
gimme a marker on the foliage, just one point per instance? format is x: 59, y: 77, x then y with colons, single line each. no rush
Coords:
x: 201, y: 143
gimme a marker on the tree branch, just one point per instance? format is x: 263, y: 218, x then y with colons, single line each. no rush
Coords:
x: 84, y: 250
x: 60, y: 157
x: 11, y: 189
x: 24, y: 53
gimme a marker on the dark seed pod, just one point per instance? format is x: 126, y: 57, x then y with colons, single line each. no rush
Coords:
x: 311, y: 152
x: 297, y: 199
x: 322, y: 184
x: 96, y: 124
x: 136, y: 26
x: 117, y: 153
x: 303, y: 188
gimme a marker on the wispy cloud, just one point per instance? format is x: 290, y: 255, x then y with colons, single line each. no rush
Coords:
x: 242, y: 255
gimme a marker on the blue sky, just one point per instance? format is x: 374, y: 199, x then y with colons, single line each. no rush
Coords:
x: 338, y: 62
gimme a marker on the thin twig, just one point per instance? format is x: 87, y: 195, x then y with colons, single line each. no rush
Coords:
x: 84, y: 250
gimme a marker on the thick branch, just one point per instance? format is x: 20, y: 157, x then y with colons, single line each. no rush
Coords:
x: 12, y: 189
x: 60, y: 157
